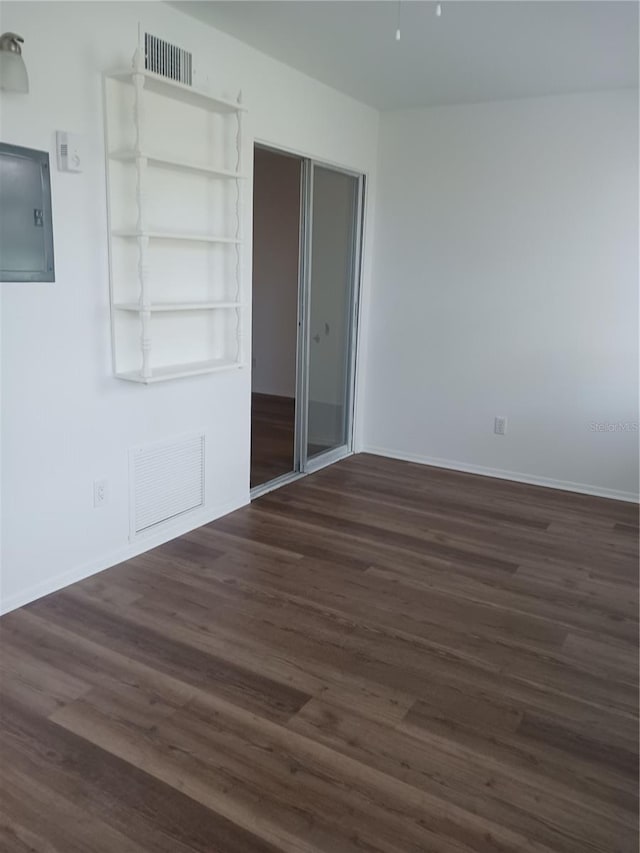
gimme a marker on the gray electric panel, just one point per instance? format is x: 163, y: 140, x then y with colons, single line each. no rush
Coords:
x: 26, y: 235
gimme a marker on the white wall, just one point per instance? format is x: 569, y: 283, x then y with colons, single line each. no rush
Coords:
x: 276, y: 243
x: 506, y: 283
x: 66, y: 420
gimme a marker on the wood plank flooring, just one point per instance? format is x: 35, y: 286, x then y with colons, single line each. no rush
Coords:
x: 272, y: 437
x: 379, y: 658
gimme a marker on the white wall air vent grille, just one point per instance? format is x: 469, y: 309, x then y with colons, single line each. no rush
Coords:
x: 167, y: 480
x: 166, y: 59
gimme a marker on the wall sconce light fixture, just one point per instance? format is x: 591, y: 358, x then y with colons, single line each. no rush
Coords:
x: 13, y: 71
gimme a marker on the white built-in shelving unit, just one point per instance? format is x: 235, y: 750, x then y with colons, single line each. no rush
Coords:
x: 174, y: 175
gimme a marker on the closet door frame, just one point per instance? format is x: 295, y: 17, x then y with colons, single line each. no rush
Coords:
x: 307, y: 465
x: 302, y: 465
x: 296, y: 472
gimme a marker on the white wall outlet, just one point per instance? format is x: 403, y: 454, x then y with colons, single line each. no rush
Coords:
x: 99, y: 492
x: 499, y: 425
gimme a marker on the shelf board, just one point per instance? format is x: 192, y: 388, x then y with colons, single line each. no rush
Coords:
x: 179, y: 91
x: 175, y: 306
x: 127, y: 155
x: 178, y: 371
x: 176, y: 235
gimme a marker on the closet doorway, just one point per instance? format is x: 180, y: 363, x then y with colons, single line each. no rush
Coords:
x: 277, y: 212
x: 307, y: 235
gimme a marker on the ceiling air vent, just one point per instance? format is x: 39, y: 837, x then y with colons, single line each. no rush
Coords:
x: 166, y: 59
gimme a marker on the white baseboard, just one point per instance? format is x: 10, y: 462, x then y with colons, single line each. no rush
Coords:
x: 516, y: 477
x: 138, y: 546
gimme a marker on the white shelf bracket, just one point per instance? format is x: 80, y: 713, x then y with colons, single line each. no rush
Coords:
x: 239, y: 318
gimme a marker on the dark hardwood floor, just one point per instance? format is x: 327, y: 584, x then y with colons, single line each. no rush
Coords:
x: 380, y: 658
x: 272, y: 438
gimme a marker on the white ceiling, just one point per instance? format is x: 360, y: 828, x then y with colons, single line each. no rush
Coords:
x: 476, y: 51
